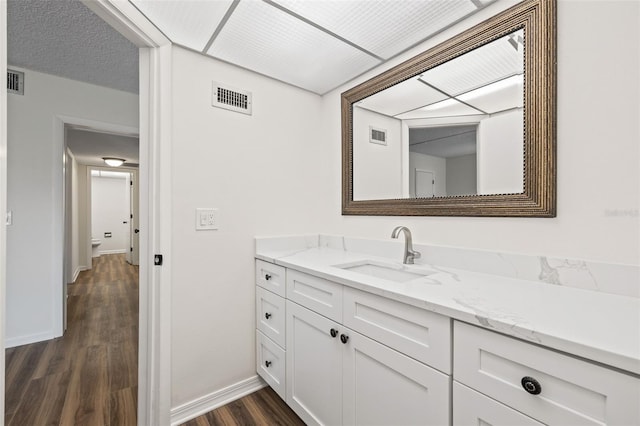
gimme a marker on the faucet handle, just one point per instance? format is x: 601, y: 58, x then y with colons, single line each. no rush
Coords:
x: 416, y: 254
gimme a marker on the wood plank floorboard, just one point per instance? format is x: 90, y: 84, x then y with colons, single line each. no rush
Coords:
x: 88, y: 376
x: 261, y: 408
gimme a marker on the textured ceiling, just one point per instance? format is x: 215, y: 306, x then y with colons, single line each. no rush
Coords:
x: 90, y: 147
x: 64, y: 38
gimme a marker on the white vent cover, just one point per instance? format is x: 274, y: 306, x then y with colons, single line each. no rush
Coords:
x: 378, y: 136
x: 232, y: 99
x: 15, y: 82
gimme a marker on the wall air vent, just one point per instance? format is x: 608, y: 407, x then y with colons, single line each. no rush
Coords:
x: 231, y: 99
x: 15, y: 82
x: 378, y: 136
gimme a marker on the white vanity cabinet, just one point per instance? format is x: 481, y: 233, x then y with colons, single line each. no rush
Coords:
x: 547, y: 386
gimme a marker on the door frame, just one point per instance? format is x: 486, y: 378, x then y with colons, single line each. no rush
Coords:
x: 154, y: 367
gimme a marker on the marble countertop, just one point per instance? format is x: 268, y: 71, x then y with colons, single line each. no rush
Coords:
x: 597, y: 326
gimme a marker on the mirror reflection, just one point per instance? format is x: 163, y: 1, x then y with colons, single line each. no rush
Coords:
x: 455, y: 129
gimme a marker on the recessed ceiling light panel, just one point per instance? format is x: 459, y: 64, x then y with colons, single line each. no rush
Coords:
x: 382, y: 27
x: 447, y: 108
x: 188, y: 23
x: 265, y: 39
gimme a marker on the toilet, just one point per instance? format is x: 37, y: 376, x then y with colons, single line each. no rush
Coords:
x: 95, y: 243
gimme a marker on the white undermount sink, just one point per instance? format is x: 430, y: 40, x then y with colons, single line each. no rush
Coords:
x: 385, y: 271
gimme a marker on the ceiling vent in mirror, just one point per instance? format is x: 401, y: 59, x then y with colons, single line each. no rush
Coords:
x: 378, y: 136
x: 231, y: 99
x: 15, y: 82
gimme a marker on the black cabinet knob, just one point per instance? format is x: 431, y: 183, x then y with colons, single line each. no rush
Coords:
x: 333, y: 332
x: 267, y: 277
x: 531, y: 385
x: 267, y: 315
x: 344, y: 338
x: 267, y: 364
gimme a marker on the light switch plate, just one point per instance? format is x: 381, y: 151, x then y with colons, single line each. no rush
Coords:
x: 206, y: 219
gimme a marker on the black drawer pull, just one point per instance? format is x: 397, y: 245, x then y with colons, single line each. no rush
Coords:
x: 531, y: 385
x: 267, y: 364
x: 267, y: 277
x: 267, y: 315
x: 344, y: 338
x: 333, y: 332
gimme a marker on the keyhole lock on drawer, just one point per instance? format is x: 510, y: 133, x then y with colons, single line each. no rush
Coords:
x: 531, y: 385
x: 267, y: 315
x: 267, y: 277
x: 267, y: 364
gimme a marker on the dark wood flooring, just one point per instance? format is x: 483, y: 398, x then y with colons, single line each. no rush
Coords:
x: 261, y: 408
x: 88, y: 376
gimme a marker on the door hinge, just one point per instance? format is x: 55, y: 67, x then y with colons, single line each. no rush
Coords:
x: 131, y: 248
x: 130, y: 183
x: 157, y: 259
x: 130, y: 216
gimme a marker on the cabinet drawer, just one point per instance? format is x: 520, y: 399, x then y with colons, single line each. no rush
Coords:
x: 415, y: 332
x: 270, y: 315
x: 271, y: 277
x: 471, y: 408
x: 572, y: 391
x: 319, y: 295
x: 270, y: 363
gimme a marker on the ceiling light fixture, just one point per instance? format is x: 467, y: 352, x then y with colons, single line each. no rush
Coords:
x: 113, y: 162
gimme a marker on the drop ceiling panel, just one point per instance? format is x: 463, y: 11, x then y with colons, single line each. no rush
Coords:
x: 499, y: 96
x: 265, y: 39
x: 382, y: 27
x: 403, y: 97
x: 484, y: 65
x: 189, y: 23
x: 446, y: 108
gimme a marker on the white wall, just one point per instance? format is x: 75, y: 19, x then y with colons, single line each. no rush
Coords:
x: 597, y: 132
x: 269, y: 174
x: 500, y: 153
x: 110, y: 207
x: 35, y: 183
x: 377, y: 169
x: 437, y: 165
x: 461, y: 175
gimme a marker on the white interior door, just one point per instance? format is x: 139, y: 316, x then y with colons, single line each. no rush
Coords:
x: 425, y: 182
x: 134, y: 249
x: 128, y: 220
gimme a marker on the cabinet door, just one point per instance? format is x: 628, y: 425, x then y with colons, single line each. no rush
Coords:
x: 471, y: 408
x: 385, y: 387
x: 314, y: 366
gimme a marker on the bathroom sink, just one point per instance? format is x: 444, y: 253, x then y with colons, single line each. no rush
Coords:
x: 392, y: 272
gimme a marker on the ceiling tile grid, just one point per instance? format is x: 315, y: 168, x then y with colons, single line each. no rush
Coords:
x: 265, y: 39
x: 491, y: 62
x: 382, y: 27
x: 189, y: 23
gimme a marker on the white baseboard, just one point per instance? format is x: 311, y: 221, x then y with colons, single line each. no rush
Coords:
x: 118, y: 251
x: 199, y: 406
x: 12, y: 342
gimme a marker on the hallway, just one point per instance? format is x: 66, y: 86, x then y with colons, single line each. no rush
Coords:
x: 88, y: 376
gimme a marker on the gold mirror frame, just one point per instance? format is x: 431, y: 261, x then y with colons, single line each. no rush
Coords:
x: 538, y: 19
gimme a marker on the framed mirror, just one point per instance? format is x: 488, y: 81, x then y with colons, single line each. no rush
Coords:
x: 467, y: 128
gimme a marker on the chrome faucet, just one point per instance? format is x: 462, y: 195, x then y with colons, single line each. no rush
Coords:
x: 409, y: 253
